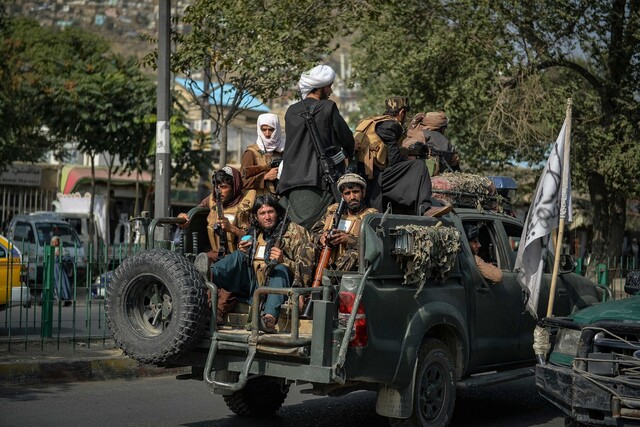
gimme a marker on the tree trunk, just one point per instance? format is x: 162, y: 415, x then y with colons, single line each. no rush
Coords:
x: 609, y: 221
x: 223, y: 145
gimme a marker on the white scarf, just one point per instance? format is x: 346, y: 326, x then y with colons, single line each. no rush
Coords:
x: 275, y: 143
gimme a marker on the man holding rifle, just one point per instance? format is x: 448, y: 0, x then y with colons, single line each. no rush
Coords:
x: 275, y: 252
x: 425, y: 139
x: 225, y: 228
x: 318, y: 141
x: 340, y: 231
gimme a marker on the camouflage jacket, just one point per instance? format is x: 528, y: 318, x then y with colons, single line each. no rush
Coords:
x: 299, y: 255
x: 345, y: 256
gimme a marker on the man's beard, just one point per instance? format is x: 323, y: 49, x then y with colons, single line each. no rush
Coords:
x: 354, y: 207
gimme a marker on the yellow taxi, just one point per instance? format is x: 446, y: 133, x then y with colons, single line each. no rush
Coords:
x: 13, y: 288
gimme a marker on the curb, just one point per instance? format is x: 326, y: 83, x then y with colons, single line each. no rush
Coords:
x: 80, y: 371
x: 67, y: 364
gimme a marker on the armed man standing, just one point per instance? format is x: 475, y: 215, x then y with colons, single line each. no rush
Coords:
x: 274, y: 240
x: 393, y: 177
x: 318, y: 140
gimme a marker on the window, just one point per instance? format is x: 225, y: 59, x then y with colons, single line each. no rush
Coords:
x: 68, y: 237
x: 23, y: 233
x: 489, y: 243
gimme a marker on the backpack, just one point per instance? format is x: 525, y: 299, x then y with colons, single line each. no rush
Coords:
x: 372, y: 151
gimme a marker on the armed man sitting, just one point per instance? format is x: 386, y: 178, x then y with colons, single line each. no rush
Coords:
x: 231, y: 223
x: 273, y: 241
x: 227, y: 221
x: 339, y: 228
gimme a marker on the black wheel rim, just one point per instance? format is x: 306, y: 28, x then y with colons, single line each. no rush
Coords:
x: 433, y: 389
x: 148, y: 305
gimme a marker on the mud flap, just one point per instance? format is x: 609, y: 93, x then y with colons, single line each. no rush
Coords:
x: 396, y: 402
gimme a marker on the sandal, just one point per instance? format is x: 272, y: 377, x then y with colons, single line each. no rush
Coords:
x: 268, y: 324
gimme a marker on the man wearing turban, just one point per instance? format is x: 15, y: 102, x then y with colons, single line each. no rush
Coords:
x: 302, y: 185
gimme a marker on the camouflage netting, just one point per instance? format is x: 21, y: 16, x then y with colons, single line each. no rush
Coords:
x: 435, y: 252
x: 466, y: 189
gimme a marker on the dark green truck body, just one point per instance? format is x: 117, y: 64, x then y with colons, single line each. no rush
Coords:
x: 461, y: 325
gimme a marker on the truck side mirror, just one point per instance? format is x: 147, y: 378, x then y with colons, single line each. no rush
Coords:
x: 567, y: 264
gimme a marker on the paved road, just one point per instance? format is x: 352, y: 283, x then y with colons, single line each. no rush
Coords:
x: 165, y: 401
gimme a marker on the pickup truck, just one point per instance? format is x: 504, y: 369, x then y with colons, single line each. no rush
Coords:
x: 592, y: 370
x: 414, y: 323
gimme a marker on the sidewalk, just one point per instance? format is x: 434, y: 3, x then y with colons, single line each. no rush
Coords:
x: 50, y: 361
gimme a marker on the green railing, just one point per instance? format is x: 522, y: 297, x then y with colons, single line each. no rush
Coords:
x: 50, y: 314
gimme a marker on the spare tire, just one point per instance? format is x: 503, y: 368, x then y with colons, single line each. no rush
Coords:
x: 156, y: 306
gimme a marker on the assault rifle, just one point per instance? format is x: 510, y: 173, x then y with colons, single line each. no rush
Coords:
x: 424, y: 151
x: 329, y: 172
x: 277, y: 243
x: 250, y: 171
x: 223, y: 247
x: 325, y: 257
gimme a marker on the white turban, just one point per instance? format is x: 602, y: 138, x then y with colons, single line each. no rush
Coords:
x: 317, y: 77
x: 275, y: 143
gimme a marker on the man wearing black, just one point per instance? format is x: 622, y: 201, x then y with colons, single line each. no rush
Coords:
x: 302, y: 184
x: 403, y: 182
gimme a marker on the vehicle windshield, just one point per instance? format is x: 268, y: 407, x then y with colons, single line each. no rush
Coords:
x: 4, y: 250
x: 67, y: 235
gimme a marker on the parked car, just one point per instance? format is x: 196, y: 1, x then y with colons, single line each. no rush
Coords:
x: 31, y: 233
x: 591, y: 373
x: 13, y: 287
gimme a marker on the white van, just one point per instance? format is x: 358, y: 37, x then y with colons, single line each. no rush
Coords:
x: 31, y: 233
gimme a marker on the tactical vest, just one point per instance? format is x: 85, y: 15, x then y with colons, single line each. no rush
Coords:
x: 264, y: 159
x: 373, y: 151
x: 237, y: 215
x: 349, y: 223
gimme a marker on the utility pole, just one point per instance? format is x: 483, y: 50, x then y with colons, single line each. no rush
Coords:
x: 163, y: 146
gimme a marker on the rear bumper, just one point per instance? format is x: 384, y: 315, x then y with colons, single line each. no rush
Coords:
x: 590, y: 401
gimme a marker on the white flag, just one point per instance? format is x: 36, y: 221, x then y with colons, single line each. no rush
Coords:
x: 543, y: 217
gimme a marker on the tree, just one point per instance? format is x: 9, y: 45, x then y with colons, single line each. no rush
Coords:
x: 254, y: 47
x: 503, y: 69
x: 25, y: 52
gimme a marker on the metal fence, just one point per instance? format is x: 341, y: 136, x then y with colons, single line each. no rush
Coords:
x: 66, y: 299
x: 50, y: 315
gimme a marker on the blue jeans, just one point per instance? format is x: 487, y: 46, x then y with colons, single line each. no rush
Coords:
x: 234, y: 274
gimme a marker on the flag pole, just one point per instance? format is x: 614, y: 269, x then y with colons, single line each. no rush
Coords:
x: 563, y: 208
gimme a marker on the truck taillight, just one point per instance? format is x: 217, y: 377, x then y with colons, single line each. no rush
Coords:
x: 359, y: 337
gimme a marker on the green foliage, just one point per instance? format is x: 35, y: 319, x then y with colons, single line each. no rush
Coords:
x: 503, y: 69
x: 260, y: 47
